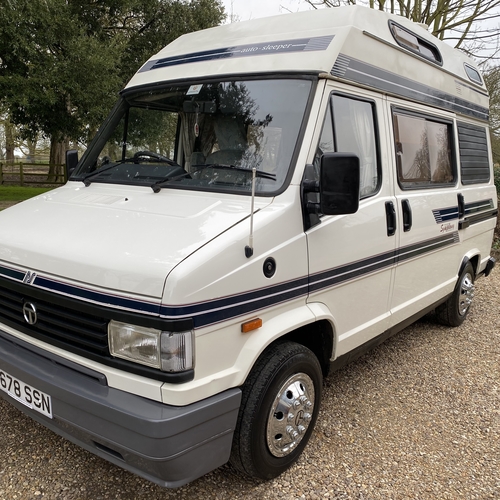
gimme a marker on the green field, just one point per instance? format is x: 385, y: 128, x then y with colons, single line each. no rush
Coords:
x: 19, y: 193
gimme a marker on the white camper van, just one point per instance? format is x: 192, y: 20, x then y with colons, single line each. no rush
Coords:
x: 266, y: 200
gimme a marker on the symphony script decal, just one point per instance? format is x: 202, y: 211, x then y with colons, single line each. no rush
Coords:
x: 447, y: 227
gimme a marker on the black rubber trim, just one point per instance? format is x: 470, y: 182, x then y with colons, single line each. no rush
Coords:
x: 475, y: 219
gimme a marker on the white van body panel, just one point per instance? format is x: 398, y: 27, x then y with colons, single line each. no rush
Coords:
x: 222, y: 270
x: 232, y: 351
x: 183, y: 255
x: 126, y: 229
x: 339, y: 245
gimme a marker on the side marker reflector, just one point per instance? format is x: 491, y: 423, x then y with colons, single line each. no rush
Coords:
x: 251, y: 325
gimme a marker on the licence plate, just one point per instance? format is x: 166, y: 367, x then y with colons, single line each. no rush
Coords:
x: 25, y: 394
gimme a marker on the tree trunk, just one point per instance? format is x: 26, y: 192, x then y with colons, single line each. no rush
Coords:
x: 57, y: 158
x: 32, y: 150
x: 10, y: 145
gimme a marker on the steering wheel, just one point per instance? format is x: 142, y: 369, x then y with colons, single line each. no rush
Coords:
x: 156, y: 156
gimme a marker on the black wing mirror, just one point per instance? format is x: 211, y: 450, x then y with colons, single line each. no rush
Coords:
x: 71, y: 162
x: 339, y: 183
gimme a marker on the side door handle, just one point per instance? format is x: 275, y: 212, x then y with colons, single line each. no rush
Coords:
x: 390, y: 217
x: 463, y: 223
x: 461, y: 205
x: 407, y: 217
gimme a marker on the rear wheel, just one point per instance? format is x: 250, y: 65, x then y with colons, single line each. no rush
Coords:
x: 279, y: 407
x: 454, y: 311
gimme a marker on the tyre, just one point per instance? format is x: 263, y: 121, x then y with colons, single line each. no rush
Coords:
x: 454, y: 311
x: 279, y: 407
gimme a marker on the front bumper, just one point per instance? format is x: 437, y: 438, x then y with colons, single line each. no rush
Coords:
x: 168, y: 445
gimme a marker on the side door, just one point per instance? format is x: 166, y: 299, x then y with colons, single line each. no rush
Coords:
x: 351, y: 257
x: 427, y: 204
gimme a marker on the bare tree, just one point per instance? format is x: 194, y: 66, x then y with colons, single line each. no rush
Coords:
x: 492, y: 79
x: 470, y: 25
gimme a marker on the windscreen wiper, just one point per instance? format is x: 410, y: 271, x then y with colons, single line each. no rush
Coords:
x: 156, y: 187
x: 86, y: 180
x: 258, y: 173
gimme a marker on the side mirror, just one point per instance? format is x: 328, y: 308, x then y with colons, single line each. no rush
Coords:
x: 339, y: 183
x: 71, y: 162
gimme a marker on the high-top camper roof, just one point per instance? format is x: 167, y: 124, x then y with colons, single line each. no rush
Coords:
x: 361, y: 45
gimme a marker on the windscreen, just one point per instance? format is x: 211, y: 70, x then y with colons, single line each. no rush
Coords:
x: 206, y: 136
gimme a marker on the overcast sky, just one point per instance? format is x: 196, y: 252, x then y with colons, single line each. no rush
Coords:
x: 252, y: 9
x: 243, y: 10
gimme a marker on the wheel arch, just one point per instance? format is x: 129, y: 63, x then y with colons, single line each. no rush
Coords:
x: 301, y: 325
x: 474, y: 258
x: 317, y: 337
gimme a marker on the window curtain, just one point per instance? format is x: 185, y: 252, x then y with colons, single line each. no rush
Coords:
x: 362, y: 127
x: 206, y: 136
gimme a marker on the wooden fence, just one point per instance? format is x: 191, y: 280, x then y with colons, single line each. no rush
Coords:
x: 29, y: 174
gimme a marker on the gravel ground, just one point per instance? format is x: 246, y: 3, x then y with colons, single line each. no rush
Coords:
x: 418, y: 417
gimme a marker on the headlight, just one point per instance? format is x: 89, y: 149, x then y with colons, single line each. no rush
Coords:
x: 167, y: 351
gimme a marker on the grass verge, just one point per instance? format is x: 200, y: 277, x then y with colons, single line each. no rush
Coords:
x: 20, y: 193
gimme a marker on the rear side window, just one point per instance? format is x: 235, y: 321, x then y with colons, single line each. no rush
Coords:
x: 474, y: 158
x: 415, y: 44
x: 473, y: 74
x: 423, y: 151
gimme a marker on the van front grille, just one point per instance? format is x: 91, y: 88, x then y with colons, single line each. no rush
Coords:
x: 79, y: 326
x: 54, y: 324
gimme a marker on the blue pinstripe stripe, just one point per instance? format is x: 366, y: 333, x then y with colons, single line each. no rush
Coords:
x: 254, y: 49
x: 445, y: 214
x: 225, y: 308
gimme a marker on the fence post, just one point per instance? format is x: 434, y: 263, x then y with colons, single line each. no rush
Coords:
x: 1, y: 173
x: 21, y: 174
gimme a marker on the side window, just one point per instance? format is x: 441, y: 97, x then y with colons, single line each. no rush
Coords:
x: 354, y: 132
x: 423, y: 151
x: 351, y: 129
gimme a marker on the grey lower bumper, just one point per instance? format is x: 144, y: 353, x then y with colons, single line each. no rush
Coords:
x: 166, y: 444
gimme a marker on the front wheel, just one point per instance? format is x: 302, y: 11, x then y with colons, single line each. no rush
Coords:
x: 454, y: 311
x: 280, y: 404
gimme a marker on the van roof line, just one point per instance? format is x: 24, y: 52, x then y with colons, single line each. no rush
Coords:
x: 318, y: 42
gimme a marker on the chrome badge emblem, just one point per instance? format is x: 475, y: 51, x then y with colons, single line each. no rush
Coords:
x: 29, y: 313
x: 29, y: 278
